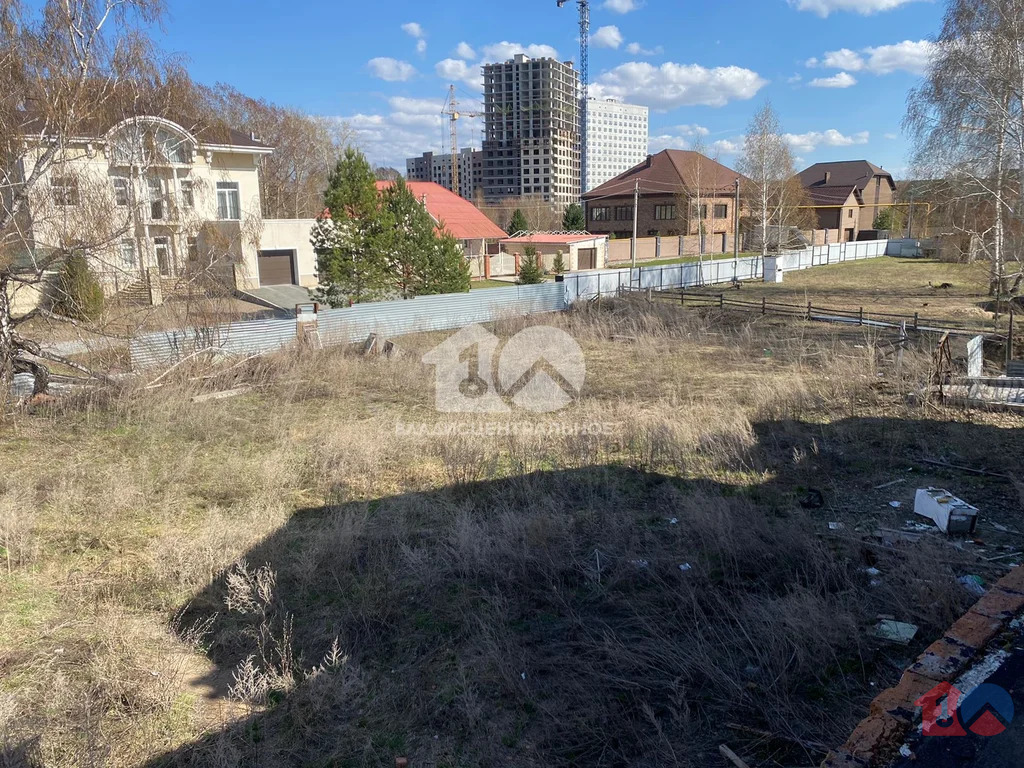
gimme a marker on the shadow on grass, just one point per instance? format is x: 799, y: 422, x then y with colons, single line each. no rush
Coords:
x: 598, y: 616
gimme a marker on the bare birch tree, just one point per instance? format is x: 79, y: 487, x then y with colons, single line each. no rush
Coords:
x: 967, y: 120
x: 774, y: 200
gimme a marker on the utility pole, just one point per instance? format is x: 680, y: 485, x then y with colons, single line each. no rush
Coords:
x: 584, y: 6
x: 636, y: 212
x: 736, y: 232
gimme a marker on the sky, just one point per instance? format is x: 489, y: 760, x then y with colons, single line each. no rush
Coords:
x: 837, y: 72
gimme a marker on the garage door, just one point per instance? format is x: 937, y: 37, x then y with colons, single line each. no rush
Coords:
x: 277, y: 267
x: 588, y: 258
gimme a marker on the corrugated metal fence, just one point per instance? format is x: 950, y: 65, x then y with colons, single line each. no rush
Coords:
x: 449, y: 311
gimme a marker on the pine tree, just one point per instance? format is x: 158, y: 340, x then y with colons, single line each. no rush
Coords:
x: 573, y: 219
x: 348, y: 238
x: 558, y: 265
x: 518, y: 223
x: 530, y: 272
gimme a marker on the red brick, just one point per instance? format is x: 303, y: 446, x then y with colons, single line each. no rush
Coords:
x: 975, y: 630
x: 898, y: 702
x: 1014, y: 580
x: 1000, y: 604
x: 876, y: 739
x: 943, y: 660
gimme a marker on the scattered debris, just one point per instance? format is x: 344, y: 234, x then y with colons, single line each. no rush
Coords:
x: 370, y: 345
x: 906, y: 751
x: 813, y: 499
x: 731, y: 756
x: 685, y: 567
x: 912, y: 525
x: 673, y: 521
x: 836, y: 526
x: 401, y: 762
x: 1003, y: 557
x: 642, y: 565
x: 889, y: 485
x: 950, y: 514
x: 895, y: 504
x: 872, y: 572
x: 969, y: 470
x: 895, y: 631
x: 973, y: 584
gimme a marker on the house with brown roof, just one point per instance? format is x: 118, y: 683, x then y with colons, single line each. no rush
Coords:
x: 848, y: 195
x: 681, y: 193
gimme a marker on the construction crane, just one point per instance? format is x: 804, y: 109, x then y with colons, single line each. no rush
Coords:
x: 451, y: 109
x: 584, y: 6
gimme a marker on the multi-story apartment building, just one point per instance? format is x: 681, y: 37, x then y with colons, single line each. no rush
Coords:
x: 531, y: 130
x: 438, y: 169
x: 155, y: 202
x: 617, y: 136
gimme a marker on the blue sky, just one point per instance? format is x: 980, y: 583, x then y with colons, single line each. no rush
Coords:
x: 836, y: 71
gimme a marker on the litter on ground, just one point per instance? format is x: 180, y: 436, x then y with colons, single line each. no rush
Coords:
x: 895, y: 631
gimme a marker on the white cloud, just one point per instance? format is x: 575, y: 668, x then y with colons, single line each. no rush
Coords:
x: 678, y: 85
x: 892, y: 136
x: 635, y: 49
x: 864, y: 7
x: 391, y: 70
x: 844, y: 58
x: 421, y: 46
x: 796, y: 78
x: 413, y: 29
x: 465, y: 51
x: 607, y: 37
x: 621, y: 6
x: 503, y: 51
x: 726, y: 147
x: 908, y: 56
x: 808, y: 142
x: 911, y: 56
x: 841, y: 80
x: 461, y: 71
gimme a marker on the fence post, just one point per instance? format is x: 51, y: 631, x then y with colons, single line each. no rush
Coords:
x: 721, y: 301
x: 861, y: 320
x: 764, y: 306
x: 1009, y: 339
x: 682, y: 296
x: 809, y: 310
x: 915, y: 320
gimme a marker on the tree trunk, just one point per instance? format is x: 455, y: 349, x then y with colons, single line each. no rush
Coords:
x: 7, y: 348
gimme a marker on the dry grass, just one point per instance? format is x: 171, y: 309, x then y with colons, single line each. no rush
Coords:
x: 887, y: 285
x: 282, y: 578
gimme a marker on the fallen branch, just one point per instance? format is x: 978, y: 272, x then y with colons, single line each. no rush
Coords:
x: 193, y: 356
x: 969, y: 470
x: 731, y: 756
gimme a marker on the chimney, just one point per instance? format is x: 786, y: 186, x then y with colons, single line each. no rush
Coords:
x: 828, y: 176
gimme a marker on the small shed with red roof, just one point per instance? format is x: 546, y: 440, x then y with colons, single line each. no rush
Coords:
x: 579, y: 251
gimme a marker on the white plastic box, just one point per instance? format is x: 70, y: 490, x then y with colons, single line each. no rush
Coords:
x: 951, y: 514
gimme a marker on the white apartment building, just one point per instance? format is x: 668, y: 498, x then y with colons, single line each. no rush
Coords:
x: 617, y: 136
x: 169, y: 201
x: 438, y: 169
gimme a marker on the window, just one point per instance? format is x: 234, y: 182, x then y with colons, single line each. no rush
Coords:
x: 623, y: 212
x: 849, y: 214
x: 228, y: 204
x: 703, y: 213
x: 156, y: 198
x: 664, y: 212
x: 121, y: 192
x: 188, y: 198
x: 721, y: 211
x: 600, y: 214
x: 65, y: 190
x: 128, y: 253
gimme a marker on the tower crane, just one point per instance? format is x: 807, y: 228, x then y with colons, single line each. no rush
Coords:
x: 584, y: 6
x: 452, y: 110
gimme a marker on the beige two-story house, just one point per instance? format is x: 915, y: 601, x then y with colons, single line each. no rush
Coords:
x: 154, y: 203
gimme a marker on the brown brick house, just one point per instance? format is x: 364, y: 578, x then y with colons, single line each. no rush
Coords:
x: 845, y: 219
x: 669, y: 182
x: 827, y: 182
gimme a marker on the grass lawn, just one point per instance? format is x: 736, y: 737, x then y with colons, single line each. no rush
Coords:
x: 886, y: 284
x: 326, y: 570
x: 479, y: 284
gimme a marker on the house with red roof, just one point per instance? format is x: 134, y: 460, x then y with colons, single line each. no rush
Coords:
x: 579, y: 251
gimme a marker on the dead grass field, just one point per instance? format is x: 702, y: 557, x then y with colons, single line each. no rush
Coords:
x: 888, y: 285
x: 282, y: 578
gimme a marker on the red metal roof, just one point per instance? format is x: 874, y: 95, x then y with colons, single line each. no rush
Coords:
x: 542, y: 238
x: 459, y: 216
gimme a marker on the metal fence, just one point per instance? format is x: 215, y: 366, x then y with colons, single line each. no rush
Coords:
x: 344, y: 326
x: 456, y: 310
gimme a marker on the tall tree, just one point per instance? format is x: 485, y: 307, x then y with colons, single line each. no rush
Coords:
x: 518, y: 223
x: 573, y: 220
x: 66, y: 67
x: 967, y: 122
x: 774, y: 196
x: 422, y: 260
x: 349, y: 239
